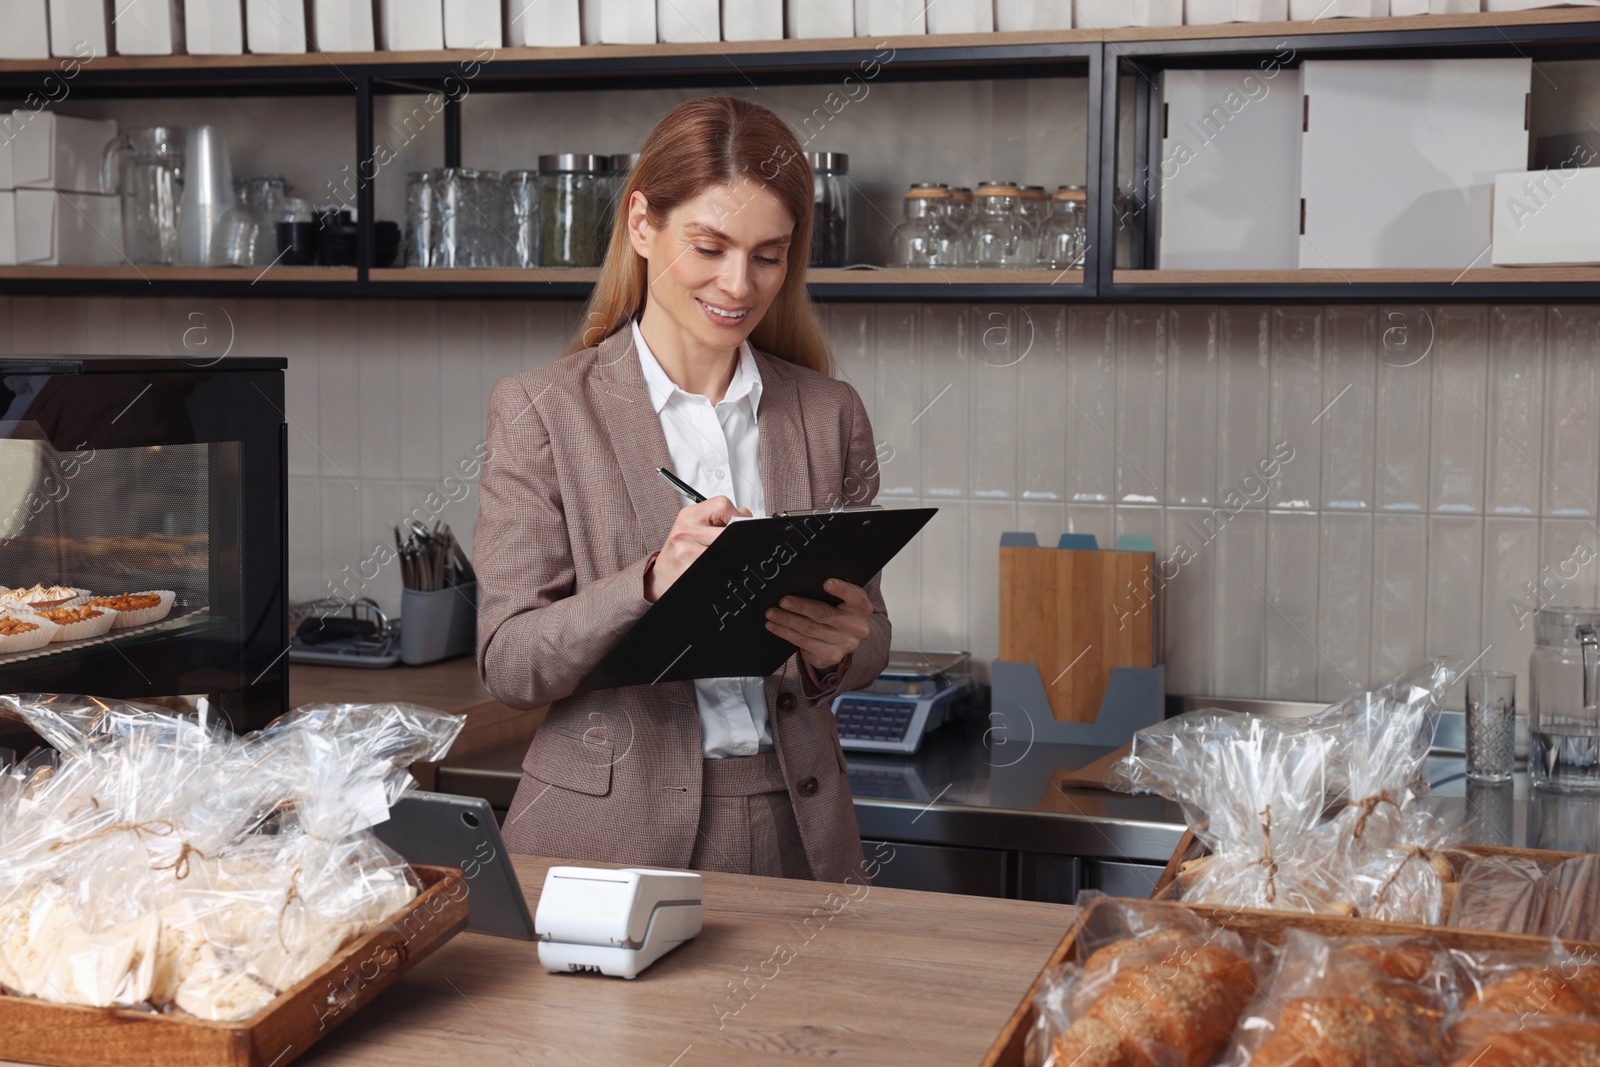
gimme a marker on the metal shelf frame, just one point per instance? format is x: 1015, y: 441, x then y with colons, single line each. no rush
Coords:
x: 1115, y: 63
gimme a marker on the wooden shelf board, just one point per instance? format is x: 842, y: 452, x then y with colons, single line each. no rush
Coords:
x: 531, y: 275
x: 459, y: 56
x: 1446, y: 276
x: 416, y: 275
x: 722, y: 49
x: 156, y: 275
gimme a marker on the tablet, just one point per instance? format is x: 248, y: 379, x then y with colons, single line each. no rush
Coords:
x: 443, y: 830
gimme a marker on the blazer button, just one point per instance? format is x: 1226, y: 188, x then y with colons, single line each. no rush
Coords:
x: 786, y: 703
x: 808, y: 787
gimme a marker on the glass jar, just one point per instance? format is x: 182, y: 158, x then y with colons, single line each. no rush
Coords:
x: 422, y: 222
x: 250, y: 229
x: 830, y: 224
x: 616, y: 181
x: 572, y: 194
x: 998, y: 236
x: 1035, y: 204
x: 926, y: 237
x: 454, y: 216
x: 1564, y: 700
x: 493, y: 244
x: 1062, y: 236
x: 522, y: 193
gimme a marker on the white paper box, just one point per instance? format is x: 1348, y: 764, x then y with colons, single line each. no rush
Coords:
x: 812, y: 19
x: 78, y: 28
x: 1315, y: 10
x: 343, y: 25
x: 472, y: 24
x: 7, y: 175
x: 1110, y: 14
x: 1216, y: 12
x: 1398, y: 159
x: 213, y: 27
x: 1457, y: 7
x: 8, y: 228
x: 52, y: 151
x: 1032, y: 15
x: 411, y: 25
x: 752, y: 20
x: 27, y: 34
x: 148, y: 27
x: 1228, y: 179
x: 543, y: 23
x: 961, y: 16
x: 1548, y: 217
x: 619, y: 21
x: 689, y: 21
x: 891, y: 18
x: 68, y: 229
x: 275, y: 27
x: 1528, y: 5
x: 1406, y: 8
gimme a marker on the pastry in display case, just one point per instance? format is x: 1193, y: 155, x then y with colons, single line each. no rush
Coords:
x: 143, y: 532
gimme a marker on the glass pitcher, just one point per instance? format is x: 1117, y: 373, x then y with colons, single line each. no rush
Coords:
x: 925, y: 237
x: 1564, y: 700
x: 999, y: 235
x: 144, y: 167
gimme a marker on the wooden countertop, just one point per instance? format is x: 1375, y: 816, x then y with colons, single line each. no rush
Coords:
x: 890, y: 977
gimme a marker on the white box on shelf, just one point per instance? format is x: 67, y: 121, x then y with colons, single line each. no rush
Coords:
x: 1398, y: 158
x: 619, y: 21
x: 752, y: 20
x: 1313, y: 10
x: 543, y: 23
x: 1216, y: 12
x: 1228, y: 180
x: 472, y: 24
x: 1032, y: 15
x: 961, y: 16
x: 689, y: 21
x: 7, y: 176
x: 78, y: 28
x: 68, y: 229
x: 343, y: 25
x: 148, y: 27
x: 812, y: 19
x: 1112, y: 14
x: 54, y: 151
x: 213, y: 27
x: 1548, y: 217
x: 411, y: 25
x: 891, y: 18
x: 1402, y: 9
x: 1459, y: 7
x: 27, y: 33
x: 275, y: 27
x: 8, y: 228
x: 1528, y: 5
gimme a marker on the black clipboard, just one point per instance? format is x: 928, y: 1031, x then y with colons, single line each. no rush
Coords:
x: 712, y: 622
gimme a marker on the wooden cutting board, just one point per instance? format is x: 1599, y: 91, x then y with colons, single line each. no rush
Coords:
x: 1077, y: 613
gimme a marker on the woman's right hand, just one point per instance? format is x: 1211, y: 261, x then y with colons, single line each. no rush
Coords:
x: 696, y: 527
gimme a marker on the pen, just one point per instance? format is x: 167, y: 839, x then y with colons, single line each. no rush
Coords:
x: 684, y: 487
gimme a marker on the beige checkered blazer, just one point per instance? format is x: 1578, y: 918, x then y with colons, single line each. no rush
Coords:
x: 570, y: 509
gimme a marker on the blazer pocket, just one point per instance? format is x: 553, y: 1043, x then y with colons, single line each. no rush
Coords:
x: 571, y: 762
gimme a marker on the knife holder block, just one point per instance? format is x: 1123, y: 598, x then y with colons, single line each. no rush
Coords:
x: 1077, y: 642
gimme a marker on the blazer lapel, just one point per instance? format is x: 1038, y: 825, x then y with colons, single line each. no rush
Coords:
x: 785, y: 465
x: 623, y: 400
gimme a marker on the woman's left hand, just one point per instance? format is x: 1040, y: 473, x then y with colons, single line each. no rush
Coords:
x: 824, y: 633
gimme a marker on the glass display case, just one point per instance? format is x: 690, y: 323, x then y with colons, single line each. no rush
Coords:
x: 160, y: 477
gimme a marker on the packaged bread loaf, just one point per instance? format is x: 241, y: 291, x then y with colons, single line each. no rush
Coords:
x: 163, y: 864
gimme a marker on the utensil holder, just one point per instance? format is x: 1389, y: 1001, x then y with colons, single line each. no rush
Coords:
x: 438, y: 624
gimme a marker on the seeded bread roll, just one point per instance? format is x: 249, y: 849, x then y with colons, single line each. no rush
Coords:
x: 1172, y: 1004
x: 1567, y: 1042
x: 1394, y: 1025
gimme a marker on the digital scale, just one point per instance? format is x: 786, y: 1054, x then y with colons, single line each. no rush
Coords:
x: 913, y: 695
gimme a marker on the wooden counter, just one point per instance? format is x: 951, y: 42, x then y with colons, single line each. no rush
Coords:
x: 891, y: 977
x: 492, y: 729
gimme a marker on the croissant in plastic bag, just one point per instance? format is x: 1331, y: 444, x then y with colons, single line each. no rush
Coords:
x: 164, y: 862
x: 1154, y: 985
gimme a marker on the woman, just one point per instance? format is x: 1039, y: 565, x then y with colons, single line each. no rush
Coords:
x: 578, y: 535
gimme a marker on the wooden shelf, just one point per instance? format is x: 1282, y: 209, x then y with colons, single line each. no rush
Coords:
x: 1550, y: 16
x: 1440, y: 276
x: 156, y: 276
x: 469, y: 275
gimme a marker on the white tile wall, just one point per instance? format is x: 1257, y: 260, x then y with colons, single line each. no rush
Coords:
x: 1430, y: 501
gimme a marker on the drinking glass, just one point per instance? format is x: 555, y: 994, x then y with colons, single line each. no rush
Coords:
x: 1491, y: 725
x: 422, y: 224
x: 522, y: 189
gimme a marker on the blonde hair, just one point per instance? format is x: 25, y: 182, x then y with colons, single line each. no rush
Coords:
x: 715, y: 140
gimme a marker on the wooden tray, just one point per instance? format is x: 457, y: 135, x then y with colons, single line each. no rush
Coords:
x: 67, y: 1035
x: 1008, y: 1048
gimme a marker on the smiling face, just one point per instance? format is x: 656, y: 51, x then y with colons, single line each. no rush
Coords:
x: 715, y: 265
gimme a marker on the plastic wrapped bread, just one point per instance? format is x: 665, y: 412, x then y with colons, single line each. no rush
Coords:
x: 162, y: 863
x: 1511, y: 894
